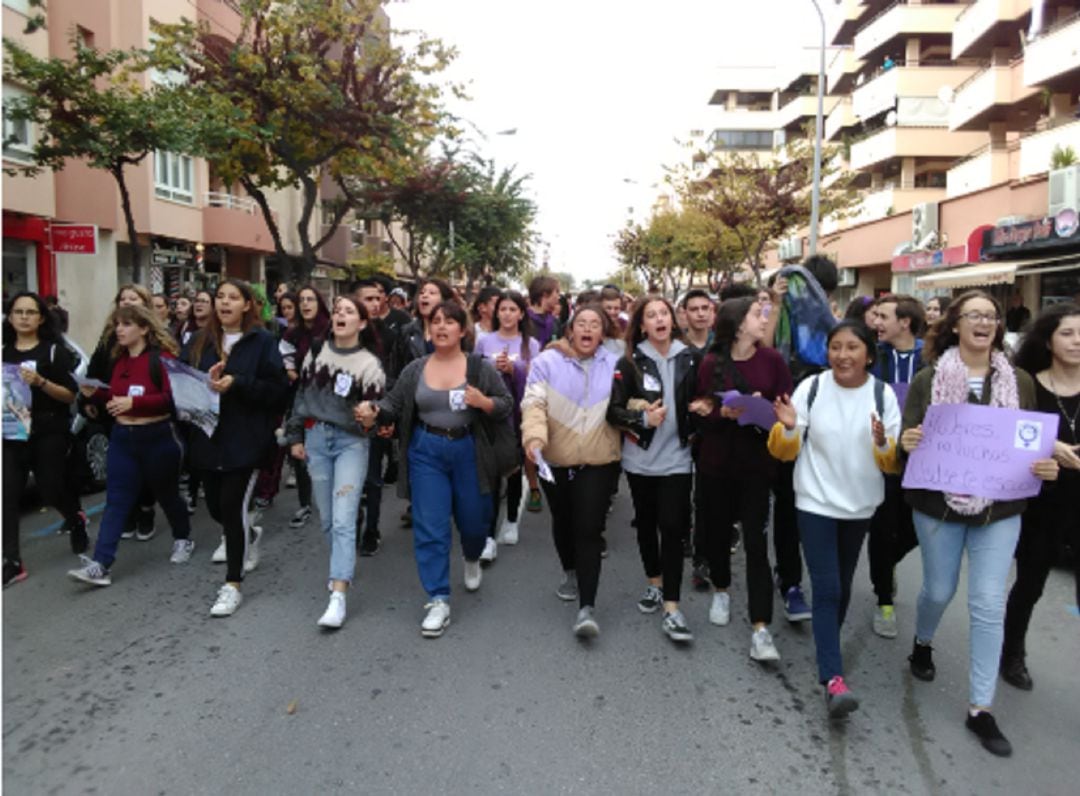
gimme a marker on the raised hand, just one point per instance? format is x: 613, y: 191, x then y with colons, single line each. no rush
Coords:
x: 785, y: 412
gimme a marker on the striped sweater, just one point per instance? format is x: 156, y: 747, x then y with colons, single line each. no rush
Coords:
x: 332, y: 382
x: 565, y: 408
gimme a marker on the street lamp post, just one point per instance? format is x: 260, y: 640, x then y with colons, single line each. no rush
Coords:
x: 815, y: 196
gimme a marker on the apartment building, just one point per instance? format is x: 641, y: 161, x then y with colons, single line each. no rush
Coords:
x: 949, y: 114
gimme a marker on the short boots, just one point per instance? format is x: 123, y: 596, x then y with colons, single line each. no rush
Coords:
x: 1014, y: 672
x: 922, y: 661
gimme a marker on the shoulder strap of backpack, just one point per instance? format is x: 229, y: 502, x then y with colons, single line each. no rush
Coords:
x: 155, y: 368
x: 879, y: 397
x: 810, y: 404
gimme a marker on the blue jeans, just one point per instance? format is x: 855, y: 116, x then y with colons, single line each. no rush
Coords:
x: 990, y: 551
x: 141, y: 455
x: 831, y: 548
x: 444, y: 483
x: 337, y: 463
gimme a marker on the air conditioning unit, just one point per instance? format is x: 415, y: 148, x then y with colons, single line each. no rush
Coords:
x: 790, y: 249
x: 847, y: 277
x: 924, y: 220
x: 1064, y: 190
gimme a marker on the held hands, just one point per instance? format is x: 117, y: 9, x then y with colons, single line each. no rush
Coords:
x: 119, y: 406
x: 220, y: 383
x: 386, y: 432
x: 477, y: 400
x: 911, y: 438
x: 365, y: 413
x: 297, y: 451
x: 701, y: 406
x: 785, y: 412
x: 1067, y: 455
x: 1045, y: 469
x: 655, y: 413
x: 877, y: 430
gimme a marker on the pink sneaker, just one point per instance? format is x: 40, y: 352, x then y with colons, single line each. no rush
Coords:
x: 838, y: 699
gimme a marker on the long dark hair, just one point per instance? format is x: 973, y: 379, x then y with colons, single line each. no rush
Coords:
x: 635, y: 334
x: 212, y: 333
x: 1034, y: 354
x: 524, y: 325
x: 455, y: 312
x: 941, y: 336
x: 47, y: 332
x: 445, y: 292
x: 486, y: 294
x: 300, y: 335
x: 729, y: 318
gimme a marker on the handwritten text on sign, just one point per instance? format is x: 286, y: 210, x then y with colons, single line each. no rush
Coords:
x: 968, y: 449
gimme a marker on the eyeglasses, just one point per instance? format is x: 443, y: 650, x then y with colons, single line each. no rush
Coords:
x: 979, y: 317
x: 25, y: 313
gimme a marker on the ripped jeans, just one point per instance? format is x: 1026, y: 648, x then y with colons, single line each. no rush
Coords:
x: 337, y: 463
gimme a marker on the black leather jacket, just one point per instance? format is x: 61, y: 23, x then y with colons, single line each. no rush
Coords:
x: 629, y: 383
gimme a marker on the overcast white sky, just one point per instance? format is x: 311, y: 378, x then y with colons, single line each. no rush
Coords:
x: 598, y: 90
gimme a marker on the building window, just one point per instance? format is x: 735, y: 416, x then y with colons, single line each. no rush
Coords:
x: 18, y: 135
x: 174, y: 177
x: 22, y: 6
x: 742, y: 139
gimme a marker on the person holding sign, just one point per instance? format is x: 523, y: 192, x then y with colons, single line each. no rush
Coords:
x: 242, y: 359
x: 35, y: 351
x: 334, y: 377
x: 144, y: 448
x: 969, y: 366
x: 564, y: 423
x: 441, y: 403
x: 842, y: 426
x: 1051, y: 354
x: 735, y: 470
x: 650, y: 398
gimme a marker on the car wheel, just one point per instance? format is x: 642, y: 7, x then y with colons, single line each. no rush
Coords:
x: 95, y: 458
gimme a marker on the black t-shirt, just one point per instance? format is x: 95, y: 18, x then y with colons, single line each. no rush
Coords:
x: 56, y: 363
x: 395, y: 319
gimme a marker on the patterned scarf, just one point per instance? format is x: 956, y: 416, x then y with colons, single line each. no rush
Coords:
x: 950, y: 386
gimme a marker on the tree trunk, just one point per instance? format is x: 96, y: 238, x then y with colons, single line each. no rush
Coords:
x: 129, y: 218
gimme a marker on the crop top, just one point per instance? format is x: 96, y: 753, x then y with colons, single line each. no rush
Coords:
x: 132, y: 377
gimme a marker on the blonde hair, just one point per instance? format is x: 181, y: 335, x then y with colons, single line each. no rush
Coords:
x: 157, y: 336
x: 140, y: 291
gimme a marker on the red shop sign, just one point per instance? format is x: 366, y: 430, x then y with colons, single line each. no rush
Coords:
x: 74, y: 238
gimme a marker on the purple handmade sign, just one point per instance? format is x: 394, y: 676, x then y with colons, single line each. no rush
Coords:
x: 756, y: 410
x: 985, y: 451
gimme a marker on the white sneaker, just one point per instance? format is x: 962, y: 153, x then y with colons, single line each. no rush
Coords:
x: 508, y: 533
x: 437, y: 619
x: 762, y: 647
x: 334, y: 616
x: 220, y: 556
x: 181, y: 551
x: 720, y: 610
x: 491, y: 551
x: 472, y: 575
x: 228, y: 600
x: 252, y: 560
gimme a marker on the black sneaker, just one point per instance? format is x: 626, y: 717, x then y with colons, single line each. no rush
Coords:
x: 369, y: 543
x: 603, y: 547
x: 79, y: 539
x: 391, y: 473
x: 1014, y: 672
x: 144, y: 525
x: 14, y: 572
x: 699, y: 577
x: 984, y: 726
x: 922, y: 661
x: 736, y: 538
x: 406, y: 518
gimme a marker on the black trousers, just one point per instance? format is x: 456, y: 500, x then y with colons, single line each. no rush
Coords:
x: 892, y: 536
x: 512, y: 494
x: 743, y: 500
x: 227, y: 496
x: 662, y: 508
x: 45, y: 455
x: 786, y: 528
x: 578, y: 502
x: 1046, y: 522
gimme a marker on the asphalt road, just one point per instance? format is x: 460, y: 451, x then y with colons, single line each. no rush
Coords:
x: 135, y: 689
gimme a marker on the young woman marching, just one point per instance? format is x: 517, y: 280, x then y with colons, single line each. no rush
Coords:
x: 842, y: 425
x: 650, y: 399
x: 564, y: 419
x: 734, y: 466
x: 511, y: 349
x: 969, y: 366
x: 334, y: 377
x: 1051, y: 354
x: 414, y: 340
x: 245, y: 368
x: 202, y: 307
x: 144, y: 448
x: 181, y: 317
x: 483, y: 313
x: 32, y: 342
x: 437, y: 405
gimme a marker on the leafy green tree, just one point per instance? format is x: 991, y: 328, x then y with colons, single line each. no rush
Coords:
x: 311, y: 93
x: 95, y: 107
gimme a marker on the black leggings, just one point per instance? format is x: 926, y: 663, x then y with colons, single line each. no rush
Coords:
x: 786, y: 528
x: 227, y: 496
x: 513, y: 501
x: 662, y: 503
x: 45, y: 454
x: 892, y: 536
x: 743, y: 500
x: 578, y: 502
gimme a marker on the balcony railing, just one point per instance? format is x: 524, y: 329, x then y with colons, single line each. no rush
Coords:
x: 244, y: 204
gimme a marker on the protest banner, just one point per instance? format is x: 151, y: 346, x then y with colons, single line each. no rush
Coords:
x: 195, y: 402
x: 985, y: 451
x: 17, y: 402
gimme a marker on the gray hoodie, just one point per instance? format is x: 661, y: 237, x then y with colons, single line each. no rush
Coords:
x: 666, y: 454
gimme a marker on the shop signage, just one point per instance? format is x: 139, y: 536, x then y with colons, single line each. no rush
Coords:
x: 921, y: 261
x: 74, y: 238
x: 163, y: 255
x: 1038, y: 235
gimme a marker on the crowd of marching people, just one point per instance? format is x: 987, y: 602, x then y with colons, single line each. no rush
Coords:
x: 729, y: 416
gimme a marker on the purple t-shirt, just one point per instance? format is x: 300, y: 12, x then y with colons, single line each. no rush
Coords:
x: 493, y: 344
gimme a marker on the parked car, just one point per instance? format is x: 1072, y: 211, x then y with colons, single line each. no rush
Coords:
x: 87, y: 462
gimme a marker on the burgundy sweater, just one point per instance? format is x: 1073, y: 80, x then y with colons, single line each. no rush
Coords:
x: 132, y: 377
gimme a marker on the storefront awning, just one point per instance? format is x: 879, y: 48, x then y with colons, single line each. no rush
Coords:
x: 971, y: 276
